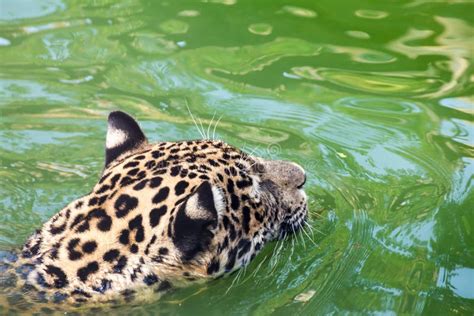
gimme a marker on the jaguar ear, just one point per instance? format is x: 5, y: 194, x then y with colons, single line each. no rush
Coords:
x: 196, y: 219
x: 123, y: 135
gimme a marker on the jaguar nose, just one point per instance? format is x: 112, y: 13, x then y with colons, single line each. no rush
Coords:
x: 302, y: 184
x: 285, y: 173
x: 298, y: 175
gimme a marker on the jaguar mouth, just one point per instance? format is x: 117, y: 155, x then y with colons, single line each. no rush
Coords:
x: 291, y: 226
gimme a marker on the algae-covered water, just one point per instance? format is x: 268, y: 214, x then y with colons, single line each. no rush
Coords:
x: 373, y: 98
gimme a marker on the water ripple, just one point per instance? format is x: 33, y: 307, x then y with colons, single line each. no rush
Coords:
x: 373, y: 100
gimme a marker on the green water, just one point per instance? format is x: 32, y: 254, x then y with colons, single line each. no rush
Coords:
x: 374, y: 99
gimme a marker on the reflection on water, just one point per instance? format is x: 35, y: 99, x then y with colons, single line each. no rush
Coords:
x: 458, y: 280
x: 374, y: 100
x: 12, y: 10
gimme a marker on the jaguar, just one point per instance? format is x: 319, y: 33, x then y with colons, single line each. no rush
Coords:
x: 162, y: 215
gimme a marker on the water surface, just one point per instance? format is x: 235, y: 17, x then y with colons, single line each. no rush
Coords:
x: 374, y: 99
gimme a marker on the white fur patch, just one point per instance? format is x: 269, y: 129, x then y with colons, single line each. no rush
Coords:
x: 192, y: 209
x: 195, y: 212
x: 219, y: 202
x: 255, y: 190
x: 115, y: 137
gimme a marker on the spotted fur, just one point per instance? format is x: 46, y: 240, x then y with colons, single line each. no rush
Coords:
x: 161, y: 216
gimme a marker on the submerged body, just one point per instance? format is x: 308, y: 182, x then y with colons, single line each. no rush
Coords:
x: 161, y: 216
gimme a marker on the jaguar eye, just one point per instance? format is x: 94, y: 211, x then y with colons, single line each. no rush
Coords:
x: 258, y: 168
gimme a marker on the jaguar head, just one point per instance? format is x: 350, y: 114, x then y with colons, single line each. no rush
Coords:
x: 230, y: 205
x: 236, y: 203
